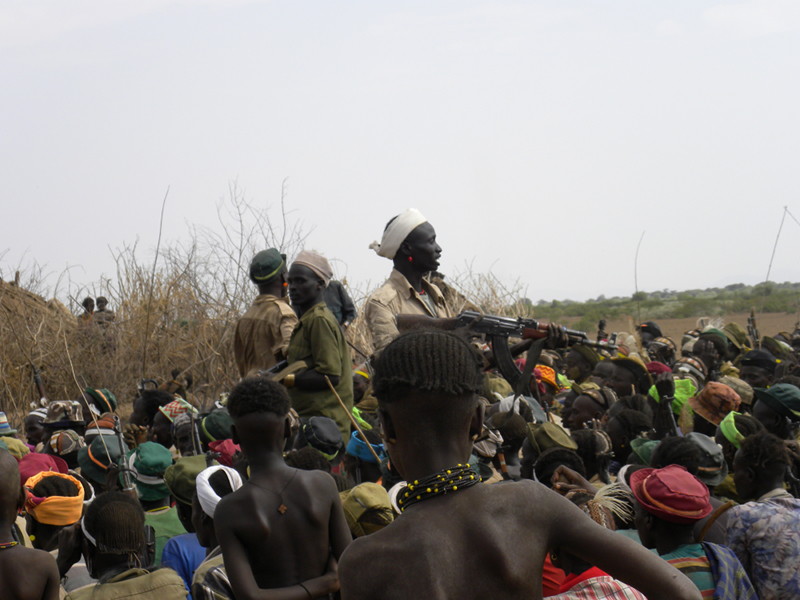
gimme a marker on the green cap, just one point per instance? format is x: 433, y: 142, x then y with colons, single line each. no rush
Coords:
x: 147, y: 463
x: 216, y: 426
x: 104, y: 399
x: 643, y: 448
x: 96, y: 458
x: 180, y: 477
x: 783, y: 398
x: 544, y: 436
x: 267, y: 265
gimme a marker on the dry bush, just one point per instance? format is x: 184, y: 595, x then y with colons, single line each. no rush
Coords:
x: 177, y: 312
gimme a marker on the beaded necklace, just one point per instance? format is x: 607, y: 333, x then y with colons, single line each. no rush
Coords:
x: 6, y: 545
x: 445, y: 481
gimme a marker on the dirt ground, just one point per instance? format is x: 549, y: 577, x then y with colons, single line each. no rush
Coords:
x: 767, y: 323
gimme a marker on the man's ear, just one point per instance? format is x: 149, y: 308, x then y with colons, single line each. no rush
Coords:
x: 387, y: 426
x: 476, y: 423
x: 234, y: 434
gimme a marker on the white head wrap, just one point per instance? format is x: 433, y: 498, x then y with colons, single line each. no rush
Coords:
x: 397, y: 232
x: 205, y: 493
x: 317, y: 263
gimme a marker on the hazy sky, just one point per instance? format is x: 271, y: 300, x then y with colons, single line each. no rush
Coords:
x: 540, y: 138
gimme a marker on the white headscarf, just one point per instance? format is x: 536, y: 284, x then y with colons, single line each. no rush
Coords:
x: 205, y: 493
x: 397, y: 232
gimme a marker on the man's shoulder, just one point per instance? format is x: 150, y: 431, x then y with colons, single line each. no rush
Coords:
x: 386, y: 293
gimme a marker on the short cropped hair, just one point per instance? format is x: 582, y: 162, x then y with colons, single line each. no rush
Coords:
x: 674, y: 450
x: 427, y: 361
x: 152, y: 399
x: 258, y: 395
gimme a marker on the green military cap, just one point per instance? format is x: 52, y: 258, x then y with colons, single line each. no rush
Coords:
x: 736, y: 335
x: 147, y: 464
x: 216, y: 425
x: 783, y: 398
x: 267, y: 265
x: 181, y: 476
x: 104, y: 399
x: 543, y: 436
x: 97, y: 457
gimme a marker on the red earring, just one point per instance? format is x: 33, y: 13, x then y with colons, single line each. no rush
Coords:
x: 410, y: 259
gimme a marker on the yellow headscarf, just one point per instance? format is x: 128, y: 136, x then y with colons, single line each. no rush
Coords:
x: 53, y: 510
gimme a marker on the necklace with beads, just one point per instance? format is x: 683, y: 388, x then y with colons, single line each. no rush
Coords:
x: 6, y: 545
x: 444, y: 482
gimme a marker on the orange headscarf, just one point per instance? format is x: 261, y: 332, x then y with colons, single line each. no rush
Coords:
x: 53, y: 510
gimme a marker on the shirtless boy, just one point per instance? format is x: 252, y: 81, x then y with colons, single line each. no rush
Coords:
x: 26, y: 574
x: 284, y: 528
x: 477, y: 540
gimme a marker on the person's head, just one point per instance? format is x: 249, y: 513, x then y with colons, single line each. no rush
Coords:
x: 360, y: 385
x: 594, y: 448
x: 732, y: 431
x: 53, y: 501
x: 259, y: 409
x: 113, y: 533
x: 630, y: 377
x: 648, y: 331
x: 580, y: 362
x: 268, y: 272
x: 663, y: 350
x: 98, y: 458
x: 624, y: 426
x: 65, y: 443
x: 549, y: 460
x: 145, y: 407
x: 757, y: 368
x: 97, y: 401
x: 11, y: 493
x: 183, y: 435
x: 309, y: 275
x: 603, y: 372
x: 589, y: 406
x: 88, y: 304
x: 778, y: 408
x: 712, y: 469
x: 147, y: 463
x: 675, y: 450
x: 711, y: 404
x: 307, y: 459
x: 760, y: 465
x: 359, y: 462
x: 669, y: 501
x: 34, y: 431
x: 212, y: 484
x: 161, y: 428
x: 181, y: 479
x: 409, y: 240
x: 215, y: 426
x: 688, y: 367
x: 426, y: 383
x: 102, y: 302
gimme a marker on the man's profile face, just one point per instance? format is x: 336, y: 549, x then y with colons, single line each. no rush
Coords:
x: 423, y: 249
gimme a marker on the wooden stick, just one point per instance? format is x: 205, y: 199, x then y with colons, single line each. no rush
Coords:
x: 353, y: 420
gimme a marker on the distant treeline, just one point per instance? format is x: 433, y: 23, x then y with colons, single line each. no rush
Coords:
x: 669, y: 304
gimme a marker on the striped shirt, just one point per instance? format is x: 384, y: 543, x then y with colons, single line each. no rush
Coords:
x: 594, y: 584
x: 691, y: 560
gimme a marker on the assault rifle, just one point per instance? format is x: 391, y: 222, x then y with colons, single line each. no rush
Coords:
x: 37, y: 380
x: 497, y: 331
x: 752, y: 329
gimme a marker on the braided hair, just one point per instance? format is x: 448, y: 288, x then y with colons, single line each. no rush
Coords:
x: 427, y: 361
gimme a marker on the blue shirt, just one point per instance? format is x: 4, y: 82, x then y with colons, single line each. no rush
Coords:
x: 183, y: 553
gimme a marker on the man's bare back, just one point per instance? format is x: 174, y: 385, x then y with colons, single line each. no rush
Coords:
x: 28, y: 574
x: 282, y: 548
x: 489, y: 541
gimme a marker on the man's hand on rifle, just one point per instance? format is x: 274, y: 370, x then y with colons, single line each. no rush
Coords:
x: 556, y: 338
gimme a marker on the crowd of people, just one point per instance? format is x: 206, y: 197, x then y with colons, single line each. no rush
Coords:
x: 628, y: 467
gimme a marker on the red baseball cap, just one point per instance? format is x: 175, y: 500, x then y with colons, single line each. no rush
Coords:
x: 672, y: 494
